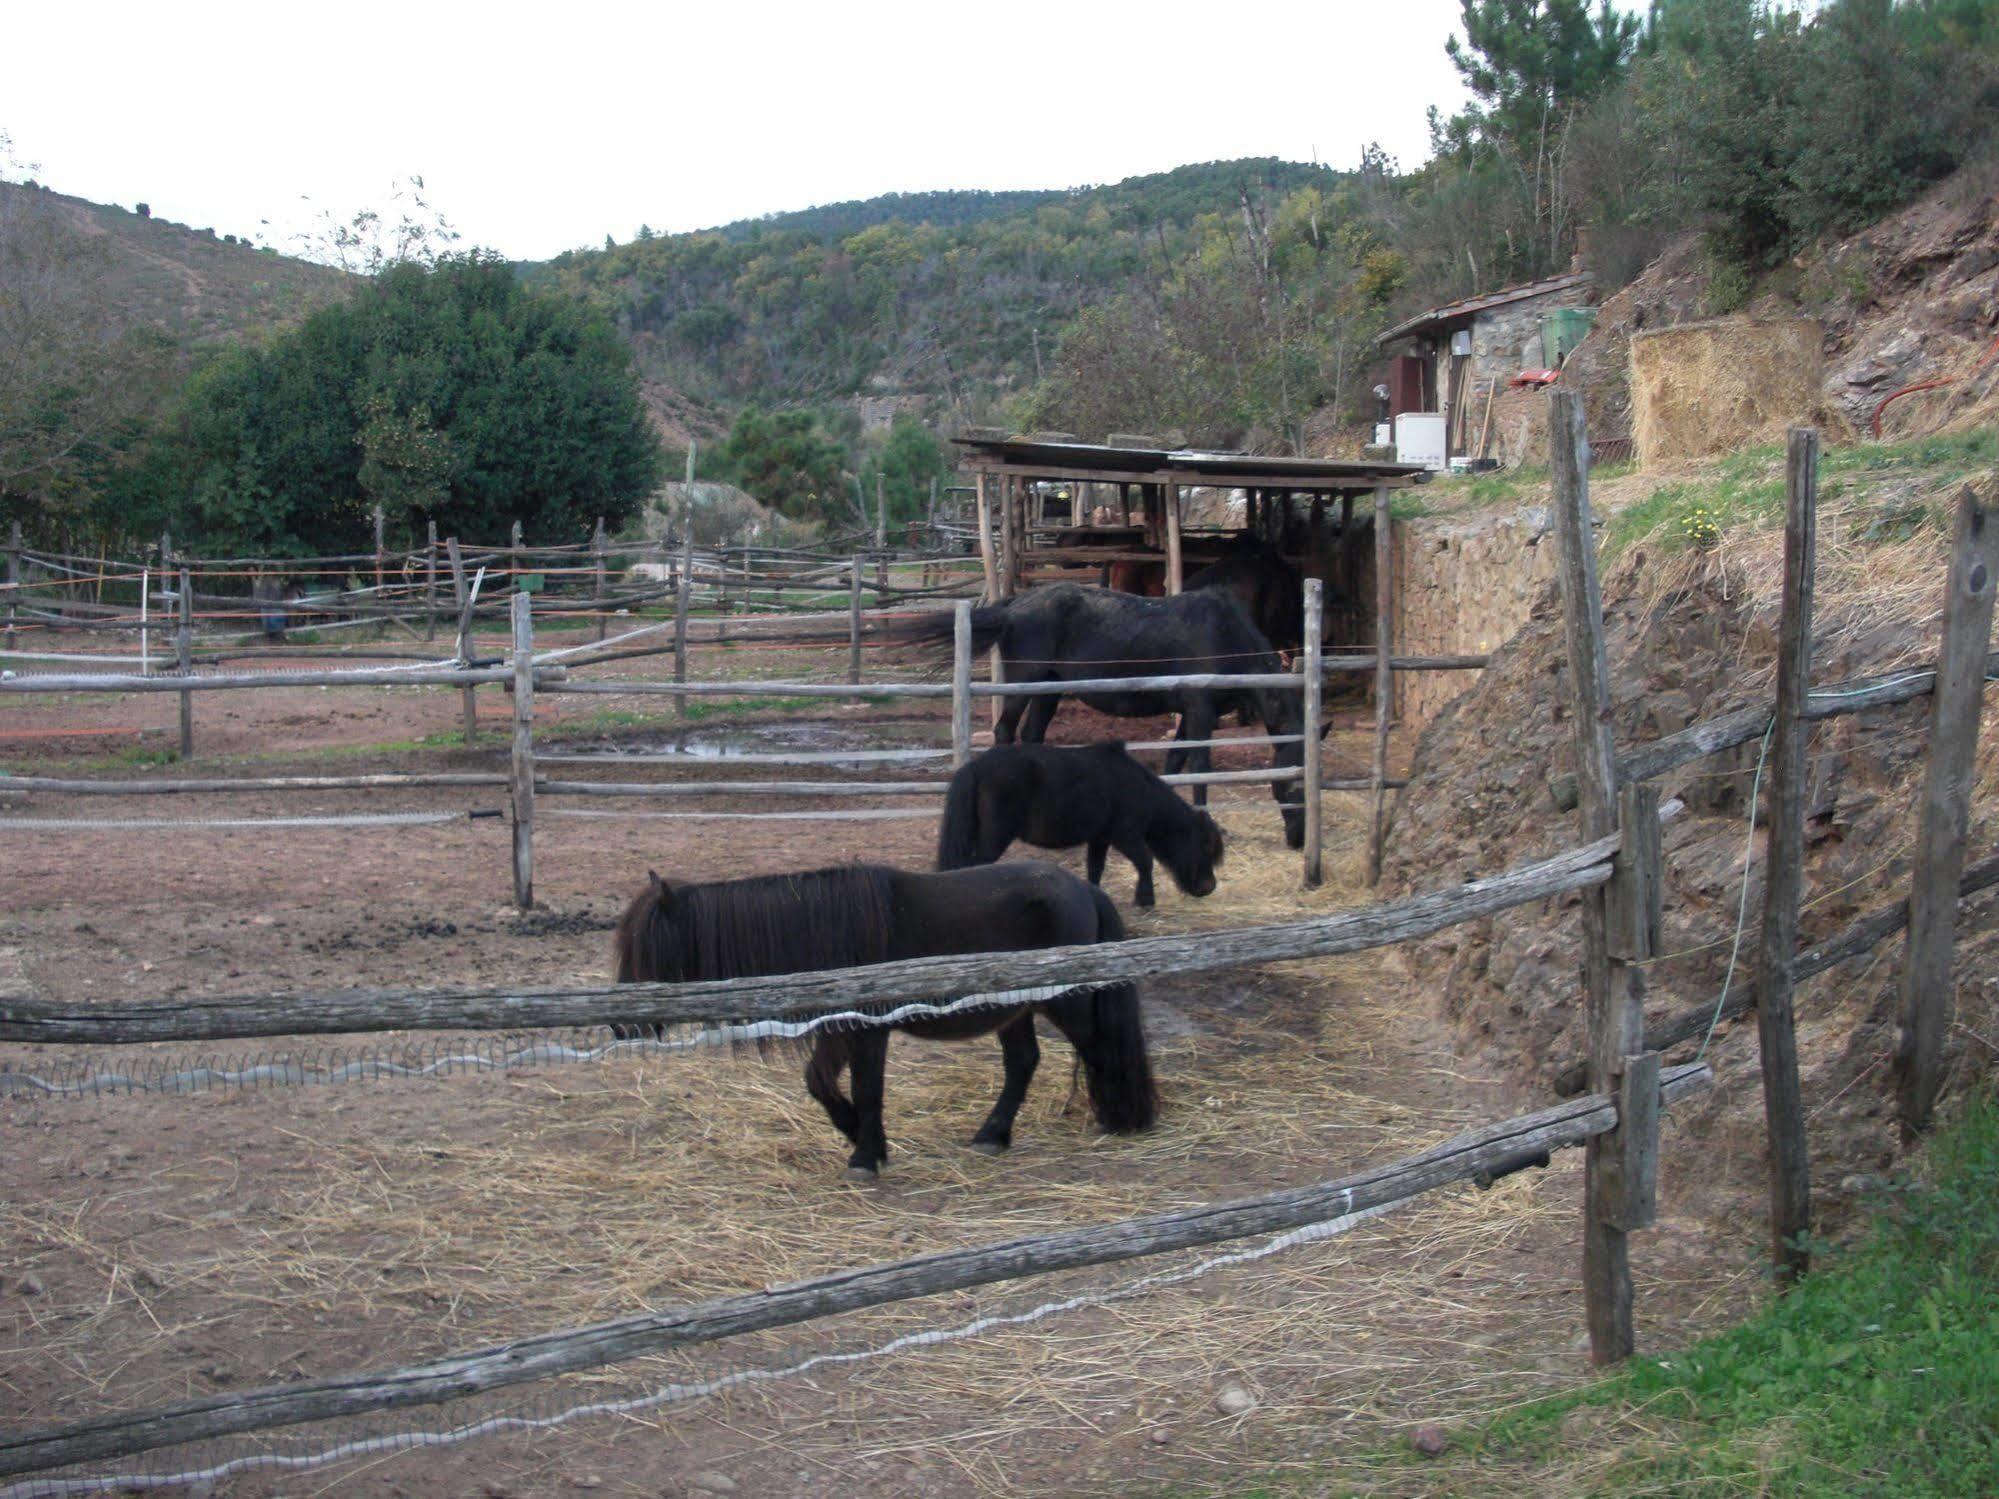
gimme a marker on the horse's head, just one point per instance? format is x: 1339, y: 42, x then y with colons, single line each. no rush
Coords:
x: 1190, y: 846
x: 646, y: 946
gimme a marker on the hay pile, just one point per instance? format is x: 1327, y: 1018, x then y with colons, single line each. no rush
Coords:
x: 1713, y: 387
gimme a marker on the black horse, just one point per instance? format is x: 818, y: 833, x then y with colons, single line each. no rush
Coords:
x: 1059, y: 798
x: 1270, y: 590
x: 859, y: 914
x: 1065, y: 632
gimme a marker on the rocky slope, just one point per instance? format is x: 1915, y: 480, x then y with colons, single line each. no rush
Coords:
x: 1691, y: 637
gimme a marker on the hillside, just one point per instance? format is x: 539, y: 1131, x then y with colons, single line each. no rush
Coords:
x: 189, y: 283
x: 958, y: 295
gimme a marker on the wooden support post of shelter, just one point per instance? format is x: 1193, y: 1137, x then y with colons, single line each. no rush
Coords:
x: 1616, y: 928
x: 1384, y: 682
x: 1313, y: 690
x: 1175, y: 571
x: 599, y: 545
x: 961, y: 684
x: 1946, y: 805
x: 1784, y: 871
x: 184, y: 661
x: 854, y: 619
x: 987, y: 562
x: 430, y: 582
x: 461, y: 595
x: 523, y: 751
x: 514, y: 553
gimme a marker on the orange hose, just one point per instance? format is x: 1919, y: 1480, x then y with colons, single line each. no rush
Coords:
x: 1909, y: 390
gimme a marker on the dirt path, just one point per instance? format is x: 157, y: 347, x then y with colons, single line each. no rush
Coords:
x: 159, y: 1249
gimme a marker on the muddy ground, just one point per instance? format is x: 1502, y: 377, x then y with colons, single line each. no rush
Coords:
x: 159, y: 1249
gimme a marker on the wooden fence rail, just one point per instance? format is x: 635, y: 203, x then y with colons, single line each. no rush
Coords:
x: 1477, y: 1154
x: 1669, y: 752
x: 196, y: 1017
x: 1863, y: 935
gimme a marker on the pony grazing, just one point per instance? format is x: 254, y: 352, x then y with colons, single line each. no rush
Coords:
x: 861, y: 914
x: 1059, y: 798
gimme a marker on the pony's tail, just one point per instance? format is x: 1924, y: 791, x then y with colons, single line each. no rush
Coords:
x: 958, y: 835
x: 1120, y: 1070
x: 934, y: 626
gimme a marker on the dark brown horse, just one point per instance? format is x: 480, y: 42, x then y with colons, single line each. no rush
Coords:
x: 1095, y: 795
x: 861, y: 914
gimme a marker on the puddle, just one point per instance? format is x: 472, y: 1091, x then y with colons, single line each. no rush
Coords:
x: 831, y: 744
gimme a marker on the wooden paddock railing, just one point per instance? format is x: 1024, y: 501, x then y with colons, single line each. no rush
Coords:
x: 1479, y: 1155
x: 1618, y: 870
x: 1627, y: 1117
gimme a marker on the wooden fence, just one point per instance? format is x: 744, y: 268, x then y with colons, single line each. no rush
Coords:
x: 1618, y: 870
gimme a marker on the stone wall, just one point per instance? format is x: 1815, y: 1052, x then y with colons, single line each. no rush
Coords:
x: 1463, y: 586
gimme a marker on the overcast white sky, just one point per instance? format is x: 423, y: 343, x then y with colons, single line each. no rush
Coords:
x: 546, y: 127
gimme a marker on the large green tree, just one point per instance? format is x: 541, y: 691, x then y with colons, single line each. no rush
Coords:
x: 447, y: 392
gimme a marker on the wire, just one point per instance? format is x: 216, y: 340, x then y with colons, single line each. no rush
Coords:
x: 1742, y: 907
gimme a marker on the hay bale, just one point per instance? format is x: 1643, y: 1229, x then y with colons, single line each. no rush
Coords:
x: 1711, y: 387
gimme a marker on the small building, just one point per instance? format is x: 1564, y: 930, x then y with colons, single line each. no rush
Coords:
x: 1457, y: 362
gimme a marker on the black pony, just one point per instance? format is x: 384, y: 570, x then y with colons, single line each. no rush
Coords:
x: 860, y: 914
x: 1059, y: 798
x: 1270, y: 590
x: 1066, y: 632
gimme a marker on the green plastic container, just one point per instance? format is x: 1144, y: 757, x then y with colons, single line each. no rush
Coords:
x: 1562, y: 330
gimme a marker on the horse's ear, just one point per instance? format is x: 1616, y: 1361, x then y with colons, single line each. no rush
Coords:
x: 662, y: 893
x: 1325, y: 728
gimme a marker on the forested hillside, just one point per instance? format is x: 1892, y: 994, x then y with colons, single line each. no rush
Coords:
x: 938, y: 293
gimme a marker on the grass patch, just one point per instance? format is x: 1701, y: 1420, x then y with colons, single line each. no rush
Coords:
x: 1745, y: 490
x: 1878, y: 1375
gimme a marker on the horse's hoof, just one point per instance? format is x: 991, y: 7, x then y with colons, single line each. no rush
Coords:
x: 989, y: 1147
x: 862, y: 1173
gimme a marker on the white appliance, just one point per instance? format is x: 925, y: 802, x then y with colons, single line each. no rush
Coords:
x: 1419, y: 438
x: 1384, y: 435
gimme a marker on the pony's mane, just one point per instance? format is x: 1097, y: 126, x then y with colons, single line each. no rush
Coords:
x: 780, y: 923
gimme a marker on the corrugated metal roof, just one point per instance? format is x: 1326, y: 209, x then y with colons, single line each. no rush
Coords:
x: 1452, y: 312
x: 1187, y: 465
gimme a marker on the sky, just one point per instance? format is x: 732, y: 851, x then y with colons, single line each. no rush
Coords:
x: 538, y: 129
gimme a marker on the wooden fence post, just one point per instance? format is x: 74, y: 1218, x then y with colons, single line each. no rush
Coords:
x: 684, y: 591
x: 961, y: 684
x: 14, y: 578
x: 1946, y: 806
x: 184, y: 661
x: 523, y: 756
x: 430, y: 583
x: 881, y: 539
x: 514, y: 554
x: 1169, y: 496
x: 463, y: 598
x: 1784, y: 870
x: 1384, y: 681
x: 854, y: 620
x: 381, y: 604
x: 1612, y: 956
x: 598, y: 545
x: 1314, y: 674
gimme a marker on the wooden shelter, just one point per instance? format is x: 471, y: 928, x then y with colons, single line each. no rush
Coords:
x: 1050, y: 507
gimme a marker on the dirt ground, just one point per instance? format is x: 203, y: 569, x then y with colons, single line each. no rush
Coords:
x: 156, y: 1249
